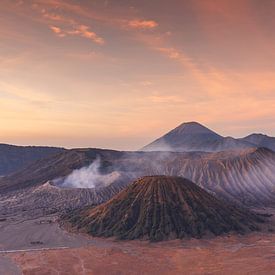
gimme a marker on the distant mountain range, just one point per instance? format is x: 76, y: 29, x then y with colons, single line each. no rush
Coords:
x: 244, y: 176
x: 13, y: 158
x: 261, y: 140
x: 236, y: 170
x: 192, y: 136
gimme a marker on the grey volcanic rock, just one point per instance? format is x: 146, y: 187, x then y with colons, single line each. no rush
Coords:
x: 240, y: 176
x: 54, y: 167
x: 160, y: 208
x: 192, y: 136
x: 246, y: 177
x: 13, y: 158
x: 261, y: 140
x: 47, y: 199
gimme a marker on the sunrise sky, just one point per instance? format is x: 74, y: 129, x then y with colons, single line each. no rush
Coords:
x: 119, y: 73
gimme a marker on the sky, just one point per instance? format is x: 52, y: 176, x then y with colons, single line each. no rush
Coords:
x: 120, y: 73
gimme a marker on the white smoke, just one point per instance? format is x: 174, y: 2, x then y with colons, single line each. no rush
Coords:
x: 88, y: 177
x: 158, y: 146
x: 132, y: 167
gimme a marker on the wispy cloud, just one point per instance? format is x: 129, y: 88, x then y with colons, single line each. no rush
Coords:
x: 84, y: 31
x: 191, y: 63
x: 66, y: 15
x: 142, y: 24
x: 24, y: 93
x: 58, y: 31
x: 64, y: 19
x: 70, y: 23
x: 79, y: 30
x: 56, y: 17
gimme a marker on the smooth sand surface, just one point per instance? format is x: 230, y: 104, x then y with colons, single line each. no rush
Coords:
x: 40, y: 247
x: 251, y: 254
x: 19, y: 233
x: 8, y: 267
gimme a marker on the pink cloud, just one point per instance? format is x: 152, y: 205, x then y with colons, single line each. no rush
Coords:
x: 55, y: 17
x: 142, y: 24
x: 79, y: 30
x: 55, y: 14
x: 84, y: 31
x: 57, y: 31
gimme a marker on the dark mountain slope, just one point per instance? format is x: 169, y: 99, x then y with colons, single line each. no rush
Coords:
x: 192, y: 136
x: 261, y: 140
x: 13, y: 158
x: 52, y: 168
x: 159, y: 208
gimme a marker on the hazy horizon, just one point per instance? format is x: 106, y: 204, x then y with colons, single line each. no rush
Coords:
x: 118, y: 74
x: 112, y: 148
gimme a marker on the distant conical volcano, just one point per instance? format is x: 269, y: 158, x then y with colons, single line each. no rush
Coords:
x: 192, y: 136
x: 193, y: 128
x: 160, y: 208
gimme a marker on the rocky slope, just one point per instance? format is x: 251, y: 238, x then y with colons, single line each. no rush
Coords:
x: 33, y: 193
x: 54, y: 167
x: 246, y: 176
x: 159, y: 208
x: 39, y: 201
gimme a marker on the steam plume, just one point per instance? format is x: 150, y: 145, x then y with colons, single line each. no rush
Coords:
x: 89, y: 177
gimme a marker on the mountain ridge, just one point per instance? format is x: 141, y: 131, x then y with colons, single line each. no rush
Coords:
x: 13, y: 157
x: 193, y: 136
x: 241, y: 176
x: 184, y: 133
x: 261, y: 140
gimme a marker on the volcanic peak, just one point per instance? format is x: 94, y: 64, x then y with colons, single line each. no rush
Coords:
x: 160, y: 208
x: 193, y: 128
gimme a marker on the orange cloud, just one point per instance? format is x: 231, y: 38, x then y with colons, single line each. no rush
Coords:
x: 84, y: 31
x: 56, y: 17
x: 185, y: 60
x: 171, y: 53
x: 57, y: 31
x: 80, y: 30
x: 63, y: 25
x: 142, y: 24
